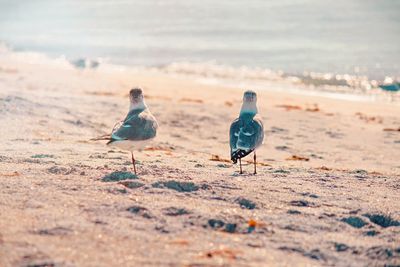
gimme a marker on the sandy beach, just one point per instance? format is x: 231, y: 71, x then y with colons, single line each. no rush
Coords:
x: 326, y: 192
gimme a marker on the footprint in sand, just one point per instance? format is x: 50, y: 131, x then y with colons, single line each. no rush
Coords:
x: 141, y: 211
x: 355, y: 222
x: 42, y: 156
x: 294, y: 228
x: 383, y: 253
x: 302, y: 203
x: 173, y: 211
x: 162, y: 229
x: 221, y: 165
x: 221, y: 225
x: 132, y: 184
x: 246, y: 203
x: 40, y: 159
x: 371, y: 233
x: 340, y: 247
x: 335, y: 135
x: 39, y: 259
x: 278, y: 130
x: 282, y: 148
x: 281, y: 171
x: 294, y: 212
x: 314, y: 254
x: 54, y: 231
x: 179, y: 186
x: 315, y: 156
x: 237, y: 225
x: 41, y: 263
x: 117, y: 191
x: 119, y: 176
x: 382, y: 220
x: 309, y: 195
x: 61, y: 170
x: 98, y: 156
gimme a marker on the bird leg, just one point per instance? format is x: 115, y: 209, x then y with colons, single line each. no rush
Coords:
x: 240, y: 164
x: 255, y: 163
x: 133, y: 163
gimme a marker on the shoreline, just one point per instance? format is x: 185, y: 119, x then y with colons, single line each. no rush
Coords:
x: 345, y: 87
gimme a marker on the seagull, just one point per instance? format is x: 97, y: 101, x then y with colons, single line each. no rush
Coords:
x: 137, y: 129
x: 246, y: 132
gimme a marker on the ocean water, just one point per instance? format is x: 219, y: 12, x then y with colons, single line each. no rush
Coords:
x: 293, y: 37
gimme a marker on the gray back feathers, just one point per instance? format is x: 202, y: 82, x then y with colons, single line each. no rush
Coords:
x: 138, y: 125
x: 246, y: 134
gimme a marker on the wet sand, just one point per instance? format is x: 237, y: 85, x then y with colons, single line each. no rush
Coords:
x: 326, y: 192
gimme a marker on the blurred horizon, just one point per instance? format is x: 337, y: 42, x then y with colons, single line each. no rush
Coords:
x: 359, y: 37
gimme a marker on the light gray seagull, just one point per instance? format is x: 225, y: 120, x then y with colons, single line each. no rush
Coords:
x: 246, y: 132
x: 137, y: 129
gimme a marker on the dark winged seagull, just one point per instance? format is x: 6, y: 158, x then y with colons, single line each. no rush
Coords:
x: 246, y: 132
x: 137, y: 129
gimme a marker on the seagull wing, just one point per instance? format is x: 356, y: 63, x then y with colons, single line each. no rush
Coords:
x: 138, y: 125
x: 245, y: 137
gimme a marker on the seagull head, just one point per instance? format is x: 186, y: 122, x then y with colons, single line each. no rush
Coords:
x: 249, y: 105
x: 136, y: 99
x: 250, y: 97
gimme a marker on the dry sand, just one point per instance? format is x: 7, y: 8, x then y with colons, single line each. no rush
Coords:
x: 326, y: 165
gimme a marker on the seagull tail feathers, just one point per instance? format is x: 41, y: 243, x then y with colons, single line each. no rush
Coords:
x: 240, y: 153
x: 108, y: 136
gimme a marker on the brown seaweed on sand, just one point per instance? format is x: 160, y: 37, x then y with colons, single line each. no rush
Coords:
x: 218, y: 158
x: 225, y: 253
x: 191, y: 100
x: 300, y: 158
x: 369, y: 119
x: 289, y: 107
x: 392, y: 129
